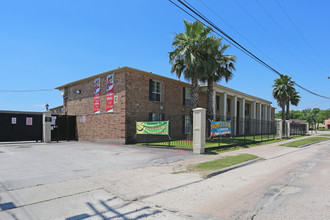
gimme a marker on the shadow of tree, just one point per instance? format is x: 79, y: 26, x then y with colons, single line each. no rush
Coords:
x: 113, y: 212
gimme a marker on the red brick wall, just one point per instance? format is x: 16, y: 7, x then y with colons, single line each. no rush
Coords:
x: 107, y: 127
x: 138, y: 96
x: 132, y: 89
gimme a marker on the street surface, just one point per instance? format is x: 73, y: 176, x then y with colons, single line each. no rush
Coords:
x: 80, y: 180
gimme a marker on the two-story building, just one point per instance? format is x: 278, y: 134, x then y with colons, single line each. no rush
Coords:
x: 108, y: 104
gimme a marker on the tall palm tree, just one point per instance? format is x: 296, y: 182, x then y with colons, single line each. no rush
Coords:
x: 294, y: 99
x: 222, y: 68
x: 283, y: 86
x: 190, y: 55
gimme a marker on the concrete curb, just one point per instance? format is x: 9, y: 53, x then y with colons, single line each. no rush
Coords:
x: 214, y: 173
x: 306, y: 145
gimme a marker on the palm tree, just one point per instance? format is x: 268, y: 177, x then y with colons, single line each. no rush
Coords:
x: 190, y: 55
x: 223, y: 67
x: 294, y: 99
x: 283, y: 86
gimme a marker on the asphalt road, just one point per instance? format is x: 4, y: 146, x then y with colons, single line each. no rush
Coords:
x: 290, y: 185
x: 98, y: 181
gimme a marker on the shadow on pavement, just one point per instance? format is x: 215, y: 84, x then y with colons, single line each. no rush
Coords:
x: 112, y: 212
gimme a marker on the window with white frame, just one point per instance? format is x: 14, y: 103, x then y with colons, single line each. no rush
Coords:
x: 155, y: 91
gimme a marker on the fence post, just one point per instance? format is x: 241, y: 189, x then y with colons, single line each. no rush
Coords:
x: 279, y: 128
x: 287, y: 124
x: 199, y: 125
x: 46, y: 126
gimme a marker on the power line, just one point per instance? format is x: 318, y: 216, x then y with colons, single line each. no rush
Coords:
x: 300, y: 33
x: 35, y: 90
x: 241, y: 35
x: 283, y: 31
x: 272, y: 36
x: 233, y: 42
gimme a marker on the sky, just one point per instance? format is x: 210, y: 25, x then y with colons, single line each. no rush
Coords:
x: 45, y: 44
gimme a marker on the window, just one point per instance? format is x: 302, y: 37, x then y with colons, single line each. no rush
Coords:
x: 155, y: 90
x: 228, y: 105
x: 186, y: 96
x: 217, y: 102
x: 187, y: 124
x: 247, y: 109
x: 156, y: 117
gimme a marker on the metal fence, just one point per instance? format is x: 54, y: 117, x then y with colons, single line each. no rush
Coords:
x: 243, y: 131
x: 65, y: 128
x: 20, y: 126
x: 180, y: 131
x: 297, y: 129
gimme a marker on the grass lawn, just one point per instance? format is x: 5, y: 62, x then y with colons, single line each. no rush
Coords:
x: 231, y: 148
x: 304, y: 141
x: 325, y: 135
x: 219, y: 164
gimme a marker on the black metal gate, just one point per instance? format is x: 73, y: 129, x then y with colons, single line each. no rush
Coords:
x: 20, y: 126
x: 64, y: 127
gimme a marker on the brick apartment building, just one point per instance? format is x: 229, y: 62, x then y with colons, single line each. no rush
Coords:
x: 139, y: 95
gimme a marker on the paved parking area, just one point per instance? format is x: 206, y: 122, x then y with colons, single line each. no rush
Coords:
x: 29, y: 164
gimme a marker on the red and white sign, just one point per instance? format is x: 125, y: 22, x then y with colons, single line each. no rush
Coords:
x: 29, y: 121
x: 110, y: 93
x: 97, y: 94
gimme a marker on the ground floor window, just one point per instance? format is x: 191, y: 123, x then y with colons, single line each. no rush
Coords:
x: 187, y: 124
x: 156, y: 117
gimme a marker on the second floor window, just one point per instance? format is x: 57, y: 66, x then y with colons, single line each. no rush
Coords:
x: 186, y: 96
x: 155, y: 90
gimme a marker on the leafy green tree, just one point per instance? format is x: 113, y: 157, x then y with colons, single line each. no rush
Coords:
x: 189, y: 58
x: 323, y: 114
x: 278, y: 114
x: 311, y: 116
x: 295, y: 114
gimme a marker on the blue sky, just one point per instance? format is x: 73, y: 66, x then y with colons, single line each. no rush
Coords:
x: 45, y: 44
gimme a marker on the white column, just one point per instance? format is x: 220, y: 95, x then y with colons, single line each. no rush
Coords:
x: 199, y: 125
x: 214, y: 104
x: 46, y: 126
x: 279, y: 128
x: 233, y: 111
x: 242, y: 116
x: 258, y: 124
x: 253, y: 116
x: 223, y: 106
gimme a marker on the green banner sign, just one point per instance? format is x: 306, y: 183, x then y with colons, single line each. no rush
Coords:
x: 152, y: 127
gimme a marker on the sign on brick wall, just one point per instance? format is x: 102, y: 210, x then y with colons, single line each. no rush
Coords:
x: 110, y: 93
x: 152, y: 127
x: 97, y: 94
